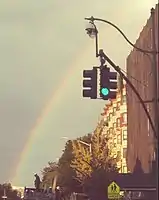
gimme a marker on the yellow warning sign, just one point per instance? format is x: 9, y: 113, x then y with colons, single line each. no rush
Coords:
x: 113, y: 191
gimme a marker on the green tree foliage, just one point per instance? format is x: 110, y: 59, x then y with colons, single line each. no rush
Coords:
x: 94, y: 169
x: 82, y: 160
x: 67, y: 178
x: 86, y: 138
x: 68, y: 175
x: 49, y: 173
x: 85, y: 162
x: 102, y: 156
x: 79, y: 168
x: 10, y: 193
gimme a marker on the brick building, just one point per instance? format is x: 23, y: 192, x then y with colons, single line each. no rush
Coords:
x: 115, y: 115
x: 139, y: 67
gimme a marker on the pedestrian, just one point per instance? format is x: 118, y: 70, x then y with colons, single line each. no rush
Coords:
x: 37, y: 182
x: 115, y: 187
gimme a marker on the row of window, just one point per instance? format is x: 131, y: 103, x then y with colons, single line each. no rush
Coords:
x: 123, y: 169
x: 119, y: 137
x: 119, y: 121
x: 124, y: 153
x: 123, y: 101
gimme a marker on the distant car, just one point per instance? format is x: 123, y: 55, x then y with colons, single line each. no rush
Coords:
x: 33, y: 194
x: 29, y: 193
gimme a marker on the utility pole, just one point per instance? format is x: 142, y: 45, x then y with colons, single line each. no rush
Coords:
x: 4, y: 194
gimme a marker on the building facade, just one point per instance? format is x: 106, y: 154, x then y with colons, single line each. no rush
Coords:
x: 140, y: 73
x: 115, y: 115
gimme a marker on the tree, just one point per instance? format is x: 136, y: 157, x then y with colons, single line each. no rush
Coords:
x: 12, y: 194
x: 103, y: 155
x: 68, y: 176
x: 82, y: 161
x: 94, y: 170
x: 79, y: 169
x: 48, y: 174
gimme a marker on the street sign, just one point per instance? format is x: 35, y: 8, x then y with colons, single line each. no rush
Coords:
x: 113, y: 191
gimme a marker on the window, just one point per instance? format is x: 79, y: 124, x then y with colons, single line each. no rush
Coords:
x: 124, y: 169
x: 118, y: 122
x: 124, y: 152
x: 114, y: 143
x: 118, y: 157
x: 118, y: 153
x: 105, y: 119
x: 124, y: 134
x: 114, y: 110
x: 108, y: 119
x: 105, y: 123
x: 110, y: 116
x: 118, y: 139
x: 114, y: 125
x: 118, y: 106
x: 123, y: 99
x: 111, y: 130
x: 124, y: 118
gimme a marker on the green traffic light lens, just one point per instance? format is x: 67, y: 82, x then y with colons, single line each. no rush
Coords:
x: 105, y: 91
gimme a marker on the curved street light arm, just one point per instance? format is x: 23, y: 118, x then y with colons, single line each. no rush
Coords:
x: 117, y: 69
x: 96, y: 42
x: 85, y: 143
x: 92, y: 19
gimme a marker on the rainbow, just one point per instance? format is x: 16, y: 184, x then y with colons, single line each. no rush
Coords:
x: 56, y: 97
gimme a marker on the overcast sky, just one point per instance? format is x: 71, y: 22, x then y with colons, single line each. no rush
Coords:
x: 40, y: 41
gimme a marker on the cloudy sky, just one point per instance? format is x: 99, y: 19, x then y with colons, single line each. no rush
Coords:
x: 43, y: 50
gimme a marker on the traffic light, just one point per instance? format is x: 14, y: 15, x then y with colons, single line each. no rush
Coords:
x: 90, y: 83
x: 108, y: 83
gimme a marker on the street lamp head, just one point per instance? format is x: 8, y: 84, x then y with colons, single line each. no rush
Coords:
x: 91, y: 29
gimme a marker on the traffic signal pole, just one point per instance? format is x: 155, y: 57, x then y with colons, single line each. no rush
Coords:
x: 94, y: 31
x: 117, y: 69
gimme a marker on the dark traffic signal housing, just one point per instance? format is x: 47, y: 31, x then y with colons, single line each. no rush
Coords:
x: 108, y: 83
x: 90, y: 83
